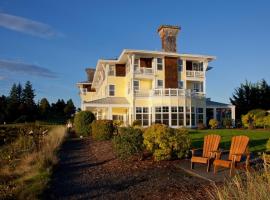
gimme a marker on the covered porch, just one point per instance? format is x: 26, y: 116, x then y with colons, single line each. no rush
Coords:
x: 219, y: 111
x: 112, y: 108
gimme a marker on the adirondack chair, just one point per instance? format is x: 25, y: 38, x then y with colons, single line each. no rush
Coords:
x: 239, y: 147
x: 210, y: 146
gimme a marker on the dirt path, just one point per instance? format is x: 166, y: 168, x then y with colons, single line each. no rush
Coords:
x: 90, y: 170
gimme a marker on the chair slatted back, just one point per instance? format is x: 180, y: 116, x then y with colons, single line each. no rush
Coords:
x: 238, y: 146
x: 211, y: 143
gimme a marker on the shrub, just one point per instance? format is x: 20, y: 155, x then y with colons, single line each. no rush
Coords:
x: 266, y: 121
x: 165, y: 142
x: 136, y: 123
x: 129, y: 142
x: 227, y: 123
x: 201, y: 126
x: 254, y: 118
x: 268, y: 145
x: 213, y: 123
x: 102, y: 129
x: 82, y: 122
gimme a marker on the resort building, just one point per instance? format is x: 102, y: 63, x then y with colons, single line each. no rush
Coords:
x: 153, y: 87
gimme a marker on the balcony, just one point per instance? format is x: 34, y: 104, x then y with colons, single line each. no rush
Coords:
x: 194, y: 74
x: 170, y: 92
x: 144, y: 72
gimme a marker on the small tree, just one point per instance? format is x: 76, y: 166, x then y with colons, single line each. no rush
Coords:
x: 82, y: 122
x: 213, y: 123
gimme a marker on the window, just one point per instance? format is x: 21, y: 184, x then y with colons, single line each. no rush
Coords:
x: 180, y: 84
x: 136, y: 64
x: 142, y: 115
x: 118, y: 118
x: 196, y: 66
x: 111, y: 90
x: 111, y: 70
x: 136, y: 85
x: 198, y: 87
x: 177, y: 116
x: 160, y: 83
x: 162, y: 115
x: 188, y: 116
x: 180, y: 65
x: 159, y: 64
x: 192, y: 116
x: 199, y: 115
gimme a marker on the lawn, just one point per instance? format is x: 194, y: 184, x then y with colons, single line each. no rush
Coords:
x: 258, y: 138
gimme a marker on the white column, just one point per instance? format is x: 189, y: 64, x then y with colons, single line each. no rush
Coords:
x: 215, y: 113
x: 110, y: 113
x: 190, y: 116
x: 204, y: 116
x: 233, y: 114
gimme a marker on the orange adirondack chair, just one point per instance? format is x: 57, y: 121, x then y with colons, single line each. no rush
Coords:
x: 210, y: 146
x: 239, y: 147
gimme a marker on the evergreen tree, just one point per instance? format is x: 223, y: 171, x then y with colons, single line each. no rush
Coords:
x: 69, y: 108
x: 29, y: 106
x: 44, y: 108
x: 251, y: 96
x: 3, y: 110
x: 13, y: 104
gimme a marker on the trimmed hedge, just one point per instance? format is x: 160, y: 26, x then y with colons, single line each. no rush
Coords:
x: 102, y: 129
x: 82, y: 122
x: 129, y: 142
x: 166, y: 143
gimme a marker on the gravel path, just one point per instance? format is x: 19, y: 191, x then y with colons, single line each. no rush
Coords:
x: 90, y: 170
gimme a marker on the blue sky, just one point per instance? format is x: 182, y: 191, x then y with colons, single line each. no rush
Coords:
x: 51, y: 42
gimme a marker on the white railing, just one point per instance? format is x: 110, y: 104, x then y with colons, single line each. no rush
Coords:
x: 167, y: 92
x: 195, y: 74
x: 144, y: 70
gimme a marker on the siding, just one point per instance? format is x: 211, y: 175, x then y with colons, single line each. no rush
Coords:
x: 171, y: 72
x: 120, y: 70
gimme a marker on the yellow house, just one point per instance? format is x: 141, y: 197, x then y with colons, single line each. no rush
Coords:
x: 153, y: 87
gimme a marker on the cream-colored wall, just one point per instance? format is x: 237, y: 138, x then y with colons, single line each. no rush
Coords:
x: 145, y: 84
x: 120, y: 85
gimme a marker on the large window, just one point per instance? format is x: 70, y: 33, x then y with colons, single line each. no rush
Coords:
x: 177, y: 116
x: 192, y: 116
x: 111, y: 70
x: 199, y: 115
x: 111, y: 90
x: 118, y: 118
x: 159, y: 64
x: 136, y: 85
x: 162, y: 115
x: 142, y: 115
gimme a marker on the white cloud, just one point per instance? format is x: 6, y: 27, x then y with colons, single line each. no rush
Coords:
x: 27, y: 26
x: 25, y: 68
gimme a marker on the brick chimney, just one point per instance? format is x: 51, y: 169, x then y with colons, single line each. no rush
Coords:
x: 90, y: 74
x: 168, y: 35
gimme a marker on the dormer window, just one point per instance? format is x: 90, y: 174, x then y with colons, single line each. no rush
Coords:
x: 111, y: 70
x: 159, y: 64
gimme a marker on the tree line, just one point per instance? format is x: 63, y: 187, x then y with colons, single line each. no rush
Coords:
x: 250, y: 96
x: 19, y: 107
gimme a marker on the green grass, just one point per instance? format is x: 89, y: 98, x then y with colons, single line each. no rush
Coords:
x: 258, y: 138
